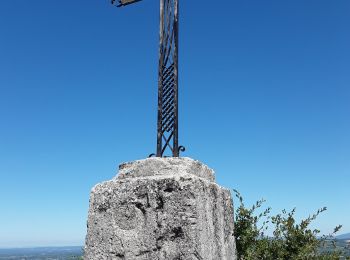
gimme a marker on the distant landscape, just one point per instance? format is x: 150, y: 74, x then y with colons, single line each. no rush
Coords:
x: 344, y: 236
x: 341, y: 244
x: 75, y: 252
x: 41, y: 253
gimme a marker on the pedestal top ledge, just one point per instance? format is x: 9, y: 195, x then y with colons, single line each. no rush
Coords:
x: 157, y: 167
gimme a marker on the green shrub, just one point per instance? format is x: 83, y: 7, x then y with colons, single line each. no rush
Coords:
x: 289, y: 240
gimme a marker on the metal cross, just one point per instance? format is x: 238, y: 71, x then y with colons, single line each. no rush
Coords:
x: 167, y: 127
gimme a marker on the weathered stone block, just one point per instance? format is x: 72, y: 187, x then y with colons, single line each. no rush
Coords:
x: 161, y: 209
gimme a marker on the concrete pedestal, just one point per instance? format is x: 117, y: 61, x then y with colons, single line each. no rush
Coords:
x: 161, y: 209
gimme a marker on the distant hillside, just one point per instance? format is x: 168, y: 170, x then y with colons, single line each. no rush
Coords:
x: 344, y: 236
x: 42, y: 253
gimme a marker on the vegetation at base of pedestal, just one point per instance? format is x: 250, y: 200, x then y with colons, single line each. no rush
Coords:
x: 289, y: 240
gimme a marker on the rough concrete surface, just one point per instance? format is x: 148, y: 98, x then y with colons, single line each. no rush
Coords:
x: 161, y: 209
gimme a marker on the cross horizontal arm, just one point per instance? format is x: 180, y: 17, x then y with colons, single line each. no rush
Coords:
x: 124, y: 2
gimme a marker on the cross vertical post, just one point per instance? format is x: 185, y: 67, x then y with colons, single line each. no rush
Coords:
x: 167, y: 133
x: 168, y: 77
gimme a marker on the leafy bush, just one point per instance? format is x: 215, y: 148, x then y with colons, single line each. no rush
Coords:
x: 289, y: 240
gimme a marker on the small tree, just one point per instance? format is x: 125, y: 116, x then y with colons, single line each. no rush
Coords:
x: 290, y: 240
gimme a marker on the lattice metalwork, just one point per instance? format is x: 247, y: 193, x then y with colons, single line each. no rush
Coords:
x: 167, y: 129
x: 167, y: 138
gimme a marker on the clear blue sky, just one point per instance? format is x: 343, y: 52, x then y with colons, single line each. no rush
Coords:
x: 265, y: 91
